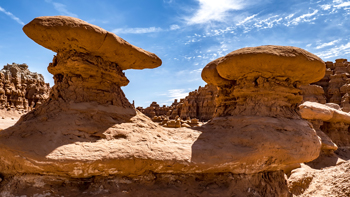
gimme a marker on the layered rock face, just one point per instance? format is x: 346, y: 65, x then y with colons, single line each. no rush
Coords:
x: 199, y: 104
x: 20, y: 89
x: 246, y: 92
x: 244, y: 157
x: 155, y: 110
x: 331, y: 181
x: 266, y: 102
x: 326, y: 108
x: 332, y: 90
x: 335, y: 82
x: 80, y: 138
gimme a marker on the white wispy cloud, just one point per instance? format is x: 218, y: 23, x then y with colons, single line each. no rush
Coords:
x: 177, y: 94
x: 174, y: 27
x: 217, y: 10
x: 269, y: 22
x: 61, y: 8
x: 247, y: 19
x: 12, y: 16
x: 167, y: 1
x: 304, y: 18
x: 327, y: 44
x: 344, y: 4
x: 199, y: 70
x: 326, y: 6
x: 137, y: 30
x: 335, y: 51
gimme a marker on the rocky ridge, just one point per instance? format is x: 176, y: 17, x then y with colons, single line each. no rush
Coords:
x: 199, y: 104
x: 325, y: 106
x: 21, y: 90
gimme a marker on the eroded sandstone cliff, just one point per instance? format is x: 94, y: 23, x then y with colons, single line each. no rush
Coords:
x: 21, y: 90
x: 199, y: 104
x: 89, y: 140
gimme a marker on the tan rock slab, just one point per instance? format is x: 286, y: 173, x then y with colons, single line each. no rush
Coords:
x: 313, y: 110
x: 64, y: 33
x: 267, y: 61
x: 243, y: 144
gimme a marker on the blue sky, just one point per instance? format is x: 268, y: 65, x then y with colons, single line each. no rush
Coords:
x: 185, y: 34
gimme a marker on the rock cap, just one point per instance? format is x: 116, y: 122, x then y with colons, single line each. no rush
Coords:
x: 62, y: 33
x: 267, y: 61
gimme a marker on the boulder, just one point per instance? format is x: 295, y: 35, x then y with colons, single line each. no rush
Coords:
x: 317, y: 111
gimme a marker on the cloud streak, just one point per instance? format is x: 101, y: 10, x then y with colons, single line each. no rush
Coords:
x: 12, y: 16
x: 327, y: 44
x: 137, y: 30
x: 217, y: 10
x: 61, y: 8
x: 177, y: 94
x: 304, y: 18
x: 335, y: 51
x: 247, y: 19
x: 345, y: 4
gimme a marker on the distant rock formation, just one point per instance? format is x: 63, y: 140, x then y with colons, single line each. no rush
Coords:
x: 326, y: 106
x: 20, y: 89
x: 199, y: 104
x: 333, y: 90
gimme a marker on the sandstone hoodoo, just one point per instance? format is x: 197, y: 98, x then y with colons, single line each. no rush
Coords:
x: 258, y: 101
x: 86, y: 99
x: 89, y: 62
x: 262, y: 80
x: 89, y: 131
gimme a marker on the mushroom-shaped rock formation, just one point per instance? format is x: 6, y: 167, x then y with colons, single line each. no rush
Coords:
x: 258, y: 103
x: 262, y: 80
x: 89, y: 62
x: 74, y: 135
x: 63, y: 34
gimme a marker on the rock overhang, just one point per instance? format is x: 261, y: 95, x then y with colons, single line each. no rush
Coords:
x: 267, y: 61
x: 64, y: 33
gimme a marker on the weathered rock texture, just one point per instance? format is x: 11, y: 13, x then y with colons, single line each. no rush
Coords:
x: 333, y: 90
x: 327, y: 175
x: 20, y: 89
x: 89, y: 130
x: 198, y: 104
x: 249, y: 88
x: 335, y: 83
x: 249, y: 92
x: 331, y: 181
x: 267, y: 184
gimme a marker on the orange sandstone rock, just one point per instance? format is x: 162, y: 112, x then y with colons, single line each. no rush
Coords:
x: 270, y: 61
x: 264, y: 95
x: 64, y: 33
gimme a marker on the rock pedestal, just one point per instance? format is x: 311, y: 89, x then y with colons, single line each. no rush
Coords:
x: 88, y: 129
x: 265, y: 101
